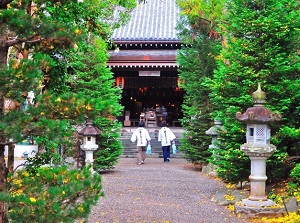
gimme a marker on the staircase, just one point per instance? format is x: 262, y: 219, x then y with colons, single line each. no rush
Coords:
x: 129, y: 149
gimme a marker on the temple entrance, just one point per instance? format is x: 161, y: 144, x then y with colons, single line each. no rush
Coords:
x: 145, y: 99
x: 160, y: 95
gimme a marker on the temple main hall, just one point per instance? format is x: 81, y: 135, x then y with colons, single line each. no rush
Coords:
x: 143, y: 62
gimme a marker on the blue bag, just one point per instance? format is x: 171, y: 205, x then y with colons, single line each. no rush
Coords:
x: 148, y: 150
x: 174, y: 148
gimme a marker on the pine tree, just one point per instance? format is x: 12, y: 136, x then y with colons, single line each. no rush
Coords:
x: 104, y: 96
x: 196, y: 59
x: 262, y: 45
x: 35, y: 37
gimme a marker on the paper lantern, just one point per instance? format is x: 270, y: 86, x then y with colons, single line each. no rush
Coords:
x: 120, y: 82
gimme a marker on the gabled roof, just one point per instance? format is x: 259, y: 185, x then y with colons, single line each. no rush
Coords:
x: 151, y: 21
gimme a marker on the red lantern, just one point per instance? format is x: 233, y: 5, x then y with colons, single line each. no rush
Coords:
x: 120, y: 82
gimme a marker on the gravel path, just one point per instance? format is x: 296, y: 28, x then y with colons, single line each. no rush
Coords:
x: 157, y: 192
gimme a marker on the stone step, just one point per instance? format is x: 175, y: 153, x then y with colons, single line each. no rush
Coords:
x: 153, y: 155
x: 155, y: 147
x: 154, y: 143
x: 156, y: 154
x: 129, y: 149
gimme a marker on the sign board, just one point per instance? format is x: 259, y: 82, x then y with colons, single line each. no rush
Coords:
x: 149, y: 73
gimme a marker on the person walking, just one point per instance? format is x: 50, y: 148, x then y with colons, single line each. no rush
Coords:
x: 166, y: 137
x: 142, y: 138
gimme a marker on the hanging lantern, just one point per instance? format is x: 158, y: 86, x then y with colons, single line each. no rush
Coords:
x: 120, y: 82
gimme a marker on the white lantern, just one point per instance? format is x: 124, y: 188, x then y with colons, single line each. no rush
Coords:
x: 89, y: 133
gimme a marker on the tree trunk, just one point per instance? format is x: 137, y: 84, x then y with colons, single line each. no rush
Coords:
x: 11, y: 157
x: 3, y: 179
x: 3, y: 52
x: 3, y: 169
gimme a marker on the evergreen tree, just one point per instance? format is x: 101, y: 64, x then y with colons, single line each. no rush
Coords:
x: 52, y: 194
x: 93, y: 79
x: 35, y: 37
x: 196, y: 59
x: 262, y: 41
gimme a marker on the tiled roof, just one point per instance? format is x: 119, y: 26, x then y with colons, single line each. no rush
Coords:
x: 154, y: 20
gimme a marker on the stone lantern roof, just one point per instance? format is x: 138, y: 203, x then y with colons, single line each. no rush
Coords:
x: 89, y: 130
x: 214, y: 130
x: 258, y: 113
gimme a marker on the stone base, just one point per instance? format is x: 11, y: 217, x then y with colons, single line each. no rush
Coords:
x: 258, y: 209
x: 210, y: 169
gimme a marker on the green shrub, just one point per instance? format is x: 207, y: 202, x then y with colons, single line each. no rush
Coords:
x: 295, y: 174
x: 278, y: 166
x: 294, y: 184
x: 233, y: 165
x: 51, y: 194
x: 277, y: 198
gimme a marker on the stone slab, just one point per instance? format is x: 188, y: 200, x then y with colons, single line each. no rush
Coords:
x: 258, y: 210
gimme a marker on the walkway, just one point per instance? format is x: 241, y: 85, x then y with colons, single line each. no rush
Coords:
x: 158, y: 192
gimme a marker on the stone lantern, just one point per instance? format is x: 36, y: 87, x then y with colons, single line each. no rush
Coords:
x: 89, y: 133
x: 213, y: 132
x: 258, y: 148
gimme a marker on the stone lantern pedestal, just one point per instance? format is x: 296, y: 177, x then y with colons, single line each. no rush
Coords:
x: 258, y: 148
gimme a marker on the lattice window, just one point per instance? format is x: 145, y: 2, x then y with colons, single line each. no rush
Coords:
x: 260, y: 132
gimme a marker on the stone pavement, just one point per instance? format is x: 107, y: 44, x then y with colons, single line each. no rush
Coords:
x: 157, y: 192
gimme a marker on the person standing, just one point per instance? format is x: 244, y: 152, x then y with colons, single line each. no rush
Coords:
x: 166, y: 137
x: 142, y: 138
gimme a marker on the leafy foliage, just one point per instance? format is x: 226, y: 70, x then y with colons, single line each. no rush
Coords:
x: 261, y: 40
x: 278, y: 166
x: 196, y: 60
x: 47, y: 37
x: 294, y: 184
x: 229, y: 170
x: 259, y: 45
x: 103, y: 99
x: 290, y: 218
x: 110, y: 148
x: 52, y: 194
x: 38, y: 42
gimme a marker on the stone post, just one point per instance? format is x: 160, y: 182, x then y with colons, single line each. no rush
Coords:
x: 258, y: 178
